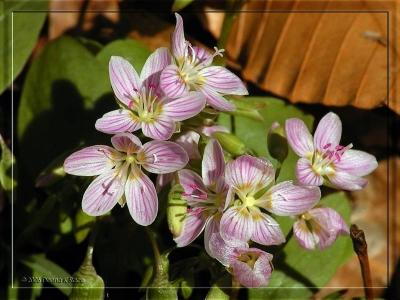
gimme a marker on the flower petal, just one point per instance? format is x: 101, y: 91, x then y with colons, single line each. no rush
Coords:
x: 124, y: 79
x: 184, y: 107
x: 213, y: 163
x: 223, y: 81
x: 299, y: 137
x: 319, y: 228
x: 202, y: 56
x: 306, y: 175
x: 266, y: 230
x: 91, y: 161
x: 329, y: 131
x: 162, y: 180
x: 256, y: 276
x: 216, y: 100
x: 346, y: 181
x: 155, y: 63
x: 249, y: 174
x: 141, y: 197
x: 178, y: 42
x: 358, y: 163
x: 126, y: 142
x: 193, y: 226
x: 210, y: 130
x: 287, y: 199
x: 236, y: 225
x: 161, y: 128
x: 104, y: 192
x: 193, y: 186
x: 116, y: 121
x: 190, y: 141
x: 171, y: 83
x: 162, y: 157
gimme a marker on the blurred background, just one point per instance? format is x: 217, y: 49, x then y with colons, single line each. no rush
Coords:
x: 322, y: 55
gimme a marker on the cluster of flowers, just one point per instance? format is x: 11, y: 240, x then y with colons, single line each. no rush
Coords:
x: 231, y: 202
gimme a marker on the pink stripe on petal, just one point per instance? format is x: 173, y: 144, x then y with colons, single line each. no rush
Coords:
x: 117, y: 121
x: 161, y: 128
x: 357, y: 162
x: 306, y: 238
x: 171, y: 83
x: 329, y: 131
x: 193, y: 226
x: 124, y: 79
x: 202, y: 56
x: 155, y: 63
x: 162, y: 157
x: 192, y: 184
x: 178, y: 42
x: 213, y: 163
x: 184, y: 107
x: 210, y: 130
x: 288, y: 199
x: 248, y: 173
x: 190, y: 141
x: 346, y: 181
x: 141, y: 197
x: 104, y: 192
x: 126, y: 142
x: 236, y: 225
x: 91, y: 161
x: 306, y: 175
x: 266, y: 230
x: 216, y: 100
x: 223, y: 81
x: 299, y: 137
x: 211, y: 228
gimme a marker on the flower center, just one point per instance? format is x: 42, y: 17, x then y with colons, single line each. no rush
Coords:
x: 147, y: 103
x: 249, y: 258
x: 249, y: 201
x: 324, y: 162
x: 130, y: 159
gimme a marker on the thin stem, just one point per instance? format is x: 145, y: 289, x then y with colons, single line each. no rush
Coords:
x: 154, y: 246
x: 360, y: 248
x: 235, y: 289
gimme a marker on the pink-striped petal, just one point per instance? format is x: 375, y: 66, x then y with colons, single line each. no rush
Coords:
x: 236, y: 225
x: 319, y: 228
x: 328, y: 132
x: 210, y: 130
x: 155, y: 63
x: 216, y: 100
x: 126, y: 142
x: 91, y: 161
x: 171, y: 82
x: 253, y: 276
x: 266, y: 230
x: 193, y: 186
x: 162, y: 157
x: 346, y: 181
x: 104, y: 192
x: 299, y: 137
x: 249, y: 174
x: 178, y: 42
x: 193, y: 226
x: 124, y: 79
x: 161, y: 128
x: 190, y: 142
x: 202, y: 56
x: 211, y: 228
x: 213, y: 163
x: 306, y: 175
x: 223, y: 81
x: 116, y: 121
x: 141, y: 197
x: 288, y: 199
x: 358, y: 163
x: 184, y: 107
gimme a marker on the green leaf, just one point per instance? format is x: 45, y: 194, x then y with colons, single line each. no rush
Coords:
x: 216, y: 293
x: 82, y: 220
x: 6, y: 162
x: 254, y: 133
x: 18, y: 34
x: 180, y: 4
x: 50, y: 272
x: 298, y: 272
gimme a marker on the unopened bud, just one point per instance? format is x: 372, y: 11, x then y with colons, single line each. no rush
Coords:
x: 176, y: 210
x: 277, y: 142
x: 231, y: 143
x: 161, y: 288
x: 248, y: 109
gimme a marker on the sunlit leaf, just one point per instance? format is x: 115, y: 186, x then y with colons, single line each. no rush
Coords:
x: 6, y: 161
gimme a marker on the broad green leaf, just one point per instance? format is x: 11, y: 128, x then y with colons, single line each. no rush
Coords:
x: 18, y: 35
x: 50, y: 272
x: 299, y: 272
x: 82, y: 220
x: 180, y: 4
x: 6, y: 161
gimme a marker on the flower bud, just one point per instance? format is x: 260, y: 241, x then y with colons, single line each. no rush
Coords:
x: 277, y: 142
x: 161, y: 288
x: 87, y: 284
x: 231, y: 143
x: 248, y: 109
x: 176, y: 210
